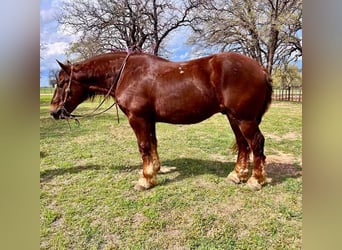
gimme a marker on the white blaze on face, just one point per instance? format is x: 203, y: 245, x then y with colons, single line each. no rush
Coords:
x: 181, y: 71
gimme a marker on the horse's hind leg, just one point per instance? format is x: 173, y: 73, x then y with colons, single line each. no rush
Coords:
x: 241, y: 170
x: 147, y: 143
x: 255, y: 139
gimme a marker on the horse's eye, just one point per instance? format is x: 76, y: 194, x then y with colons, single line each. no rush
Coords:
x: 60, y: 84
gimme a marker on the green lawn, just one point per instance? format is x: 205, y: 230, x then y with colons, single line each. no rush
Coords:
x: 46, y: 90
x: 88, y: 174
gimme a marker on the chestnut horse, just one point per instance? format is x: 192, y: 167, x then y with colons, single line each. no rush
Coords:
x: 150, y: 89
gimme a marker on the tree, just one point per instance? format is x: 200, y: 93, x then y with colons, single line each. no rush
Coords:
x: 104, y: 25
x: 85, y: 48
x: 53, y: 77
x: 287, y: 76
x: 266, y: 30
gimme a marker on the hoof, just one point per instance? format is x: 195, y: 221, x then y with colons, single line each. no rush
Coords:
x: 254, y: 184
x: 233, y: 178
x: 166, y: 170
x: 144, y: 184
x: 139, y: 187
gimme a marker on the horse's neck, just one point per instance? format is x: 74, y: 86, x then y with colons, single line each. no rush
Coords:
x: 104, y: 85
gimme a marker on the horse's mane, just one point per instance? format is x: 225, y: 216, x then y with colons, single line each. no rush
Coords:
x: 94, y: 71
x: 91, y: 95
x: 100, y: 57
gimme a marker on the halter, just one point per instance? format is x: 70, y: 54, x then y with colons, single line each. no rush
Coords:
x: 67, y: 90
x: 92, y: 114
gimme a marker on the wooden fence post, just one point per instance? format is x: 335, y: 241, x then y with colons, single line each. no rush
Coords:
x: 288, y: 94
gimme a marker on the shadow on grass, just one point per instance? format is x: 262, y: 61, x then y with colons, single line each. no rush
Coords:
x: 279, y: 172
x: 186, y: 167
x: 48, y: 174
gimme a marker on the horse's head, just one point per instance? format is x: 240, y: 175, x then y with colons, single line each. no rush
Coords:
x: 69, y: 92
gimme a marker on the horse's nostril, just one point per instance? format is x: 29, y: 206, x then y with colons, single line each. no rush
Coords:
x: 56, y: 114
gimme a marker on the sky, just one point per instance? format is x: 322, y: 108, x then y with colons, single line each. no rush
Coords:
x: 55, y: 41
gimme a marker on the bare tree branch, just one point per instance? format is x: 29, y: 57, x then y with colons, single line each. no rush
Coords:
x: 125, y: 23
x: 266, y: 30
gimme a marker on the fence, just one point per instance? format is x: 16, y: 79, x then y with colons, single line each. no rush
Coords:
x: 293, y: 94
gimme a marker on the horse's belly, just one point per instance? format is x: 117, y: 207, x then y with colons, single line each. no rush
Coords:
x: 178, y: 111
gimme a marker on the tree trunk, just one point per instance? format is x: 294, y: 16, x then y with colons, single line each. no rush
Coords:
x: 274, y: 34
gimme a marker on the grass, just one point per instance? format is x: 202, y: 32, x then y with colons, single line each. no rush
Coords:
x: 46, y: 90
x: 88, y: 173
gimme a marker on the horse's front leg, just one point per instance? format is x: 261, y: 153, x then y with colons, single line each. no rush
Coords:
x: 147, y: 143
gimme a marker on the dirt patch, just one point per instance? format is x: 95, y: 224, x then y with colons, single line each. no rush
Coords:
x: 138, y: 219
x: 219, y: 157
x: 280, y: 171
x: 291, y: 136
x: 288, y: 136
x: 113, y: 241
x: 281, y: 157
x: 282, y: 166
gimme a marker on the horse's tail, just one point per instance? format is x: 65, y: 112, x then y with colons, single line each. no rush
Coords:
x: 268, y: 96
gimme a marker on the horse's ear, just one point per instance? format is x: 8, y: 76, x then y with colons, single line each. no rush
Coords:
x: 66, y: 68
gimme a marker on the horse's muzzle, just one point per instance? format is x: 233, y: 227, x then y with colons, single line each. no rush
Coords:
x: 56, y: 114
x: 60, y: 114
